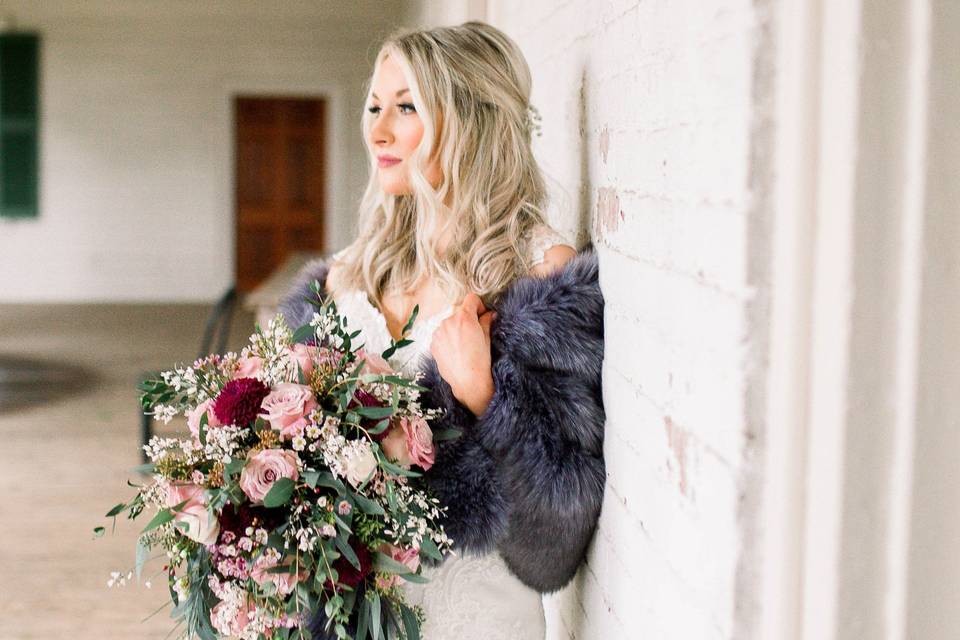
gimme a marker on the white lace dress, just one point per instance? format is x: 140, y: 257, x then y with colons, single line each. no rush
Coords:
x: 468, y: 596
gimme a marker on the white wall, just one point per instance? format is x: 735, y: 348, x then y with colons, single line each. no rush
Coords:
x: 772, y: 189
x: 649, y: 122
x: 862, y: 529
x: 136, y: 136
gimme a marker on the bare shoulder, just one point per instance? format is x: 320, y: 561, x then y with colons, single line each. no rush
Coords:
x: 554, y: 257
x: 547, y: 249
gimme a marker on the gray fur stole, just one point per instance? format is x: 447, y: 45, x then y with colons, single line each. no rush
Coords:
x: 526, y: 478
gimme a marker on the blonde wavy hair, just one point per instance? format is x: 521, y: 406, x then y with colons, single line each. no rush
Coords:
x: 471, y: 88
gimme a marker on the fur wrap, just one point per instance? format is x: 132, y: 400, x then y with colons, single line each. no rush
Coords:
x: 526, y: 478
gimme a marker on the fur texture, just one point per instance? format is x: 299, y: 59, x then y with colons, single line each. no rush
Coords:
x: 527, y: 476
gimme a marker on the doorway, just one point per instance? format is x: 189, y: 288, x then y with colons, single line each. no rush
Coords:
x: 280, y: 182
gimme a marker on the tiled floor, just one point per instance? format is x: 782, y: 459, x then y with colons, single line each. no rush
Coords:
x: 64, y: 462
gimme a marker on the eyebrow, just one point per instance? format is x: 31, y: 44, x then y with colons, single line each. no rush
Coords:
x: 399, y: 93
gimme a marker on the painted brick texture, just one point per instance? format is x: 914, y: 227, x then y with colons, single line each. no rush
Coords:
x: 647, y: 123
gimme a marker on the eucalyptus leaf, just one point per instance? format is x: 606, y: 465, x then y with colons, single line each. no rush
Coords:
x: 415, y: 577
x: 117, y: 510
x: 410, y: 624
x: 430, y: 549
x: 391, y: 496
x: 303, y: 334
x: 380, y: 427
x: 383, y: 562
x: 143, y: 554
x: 310, y: 478
x: 368, y: 506
x: 363, y: 623
x: 326, y: 479
x: 397, y: 470
x: 347, y: 552
x: 374, y: 413
x: 279, y: 493
x: 163, y: 517
x: 411, y: 320
x: 232, y: 467
x: 375, y: 616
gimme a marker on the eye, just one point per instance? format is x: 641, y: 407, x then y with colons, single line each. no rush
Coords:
x: 373, y: 110
x: 407, y: 105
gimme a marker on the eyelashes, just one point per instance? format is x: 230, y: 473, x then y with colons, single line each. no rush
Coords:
x: 401, y: 106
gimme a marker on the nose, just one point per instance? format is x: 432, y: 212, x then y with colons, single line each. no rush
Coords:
x: 381, y: 131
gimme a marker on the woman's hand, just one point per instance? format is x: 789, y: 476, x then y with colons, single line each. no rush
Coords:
x: 461, y: 347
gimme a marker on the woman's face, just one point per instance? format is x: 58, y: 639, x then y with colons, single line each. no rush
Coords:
x: 395, y: 130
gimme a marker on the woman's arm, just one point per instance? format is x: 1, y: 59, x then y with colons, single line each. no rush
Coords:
x: 461, y: 344
x: 543, y: 428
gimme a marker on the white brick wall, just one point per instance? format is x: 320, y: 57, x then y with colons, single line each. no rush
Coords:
x: 648, y: 112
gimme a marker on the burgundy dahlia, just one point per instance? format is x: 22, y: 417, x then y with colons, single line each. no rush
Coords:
x: 363, y: 399
x: 235, y: 520
x: 348, y: 574
x: 239, y: 402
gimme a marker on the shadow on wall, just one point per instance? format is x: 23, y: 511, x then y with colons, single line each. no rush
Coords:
x: 583, y: 200
x: 25, y: 382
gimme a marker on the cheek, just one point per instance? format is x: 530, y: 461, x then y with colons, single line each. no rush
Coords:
x: 411, y: 133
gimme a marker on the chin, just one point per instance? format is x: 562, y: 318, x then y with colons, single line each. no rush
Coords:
x: 395, y: 188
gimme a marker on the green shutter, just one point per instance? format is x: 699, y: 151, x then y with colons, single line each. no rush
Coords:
x: 19, y: 124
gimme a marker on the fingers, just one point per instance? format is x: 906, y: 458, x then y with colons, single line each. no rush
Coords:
x: 485, y: 321
x: 473, y: 304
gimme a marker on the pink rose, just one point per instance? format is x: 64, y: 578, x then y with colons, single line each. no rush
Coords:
x: 419, y: 441
x: 394, y: 445
x: 298, y: 428
x: 285, y: 582
x: 305, y: 356
x: 264, y: 469
x: 410, y: 442
x: 408, y: 557
x: 201, y: 525
x: 193, y: 420
x: 374, y: 363
x: 230, y: 619
x: 287, y: 404
x: 248, y: 367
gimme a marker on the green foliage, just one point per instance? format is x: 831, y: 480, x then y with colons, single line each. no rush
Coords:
x: 279, y: 493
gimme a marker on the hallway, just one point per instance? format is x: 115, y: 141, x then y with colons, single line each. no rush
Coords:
x: 63, y: 464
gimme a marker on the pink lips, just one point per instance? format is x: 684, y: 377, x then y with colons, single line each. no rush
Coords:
x: 387, y: 161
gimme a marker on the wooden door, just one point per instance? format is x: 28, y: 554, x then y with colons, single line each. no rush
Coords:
x: 280, y: 182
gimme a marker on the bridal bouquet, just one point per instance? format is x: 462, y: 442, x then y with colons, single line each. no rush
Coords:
x: 296, y: 491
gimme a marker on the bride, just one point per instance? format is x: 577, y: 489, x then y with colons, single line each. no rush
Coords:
x: 508, y: 334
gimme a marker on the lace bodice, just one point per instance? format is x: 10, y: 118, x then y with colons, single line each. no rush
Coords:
x: 541, y: 238
x: 376, y: 338
x: 362, y: 314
